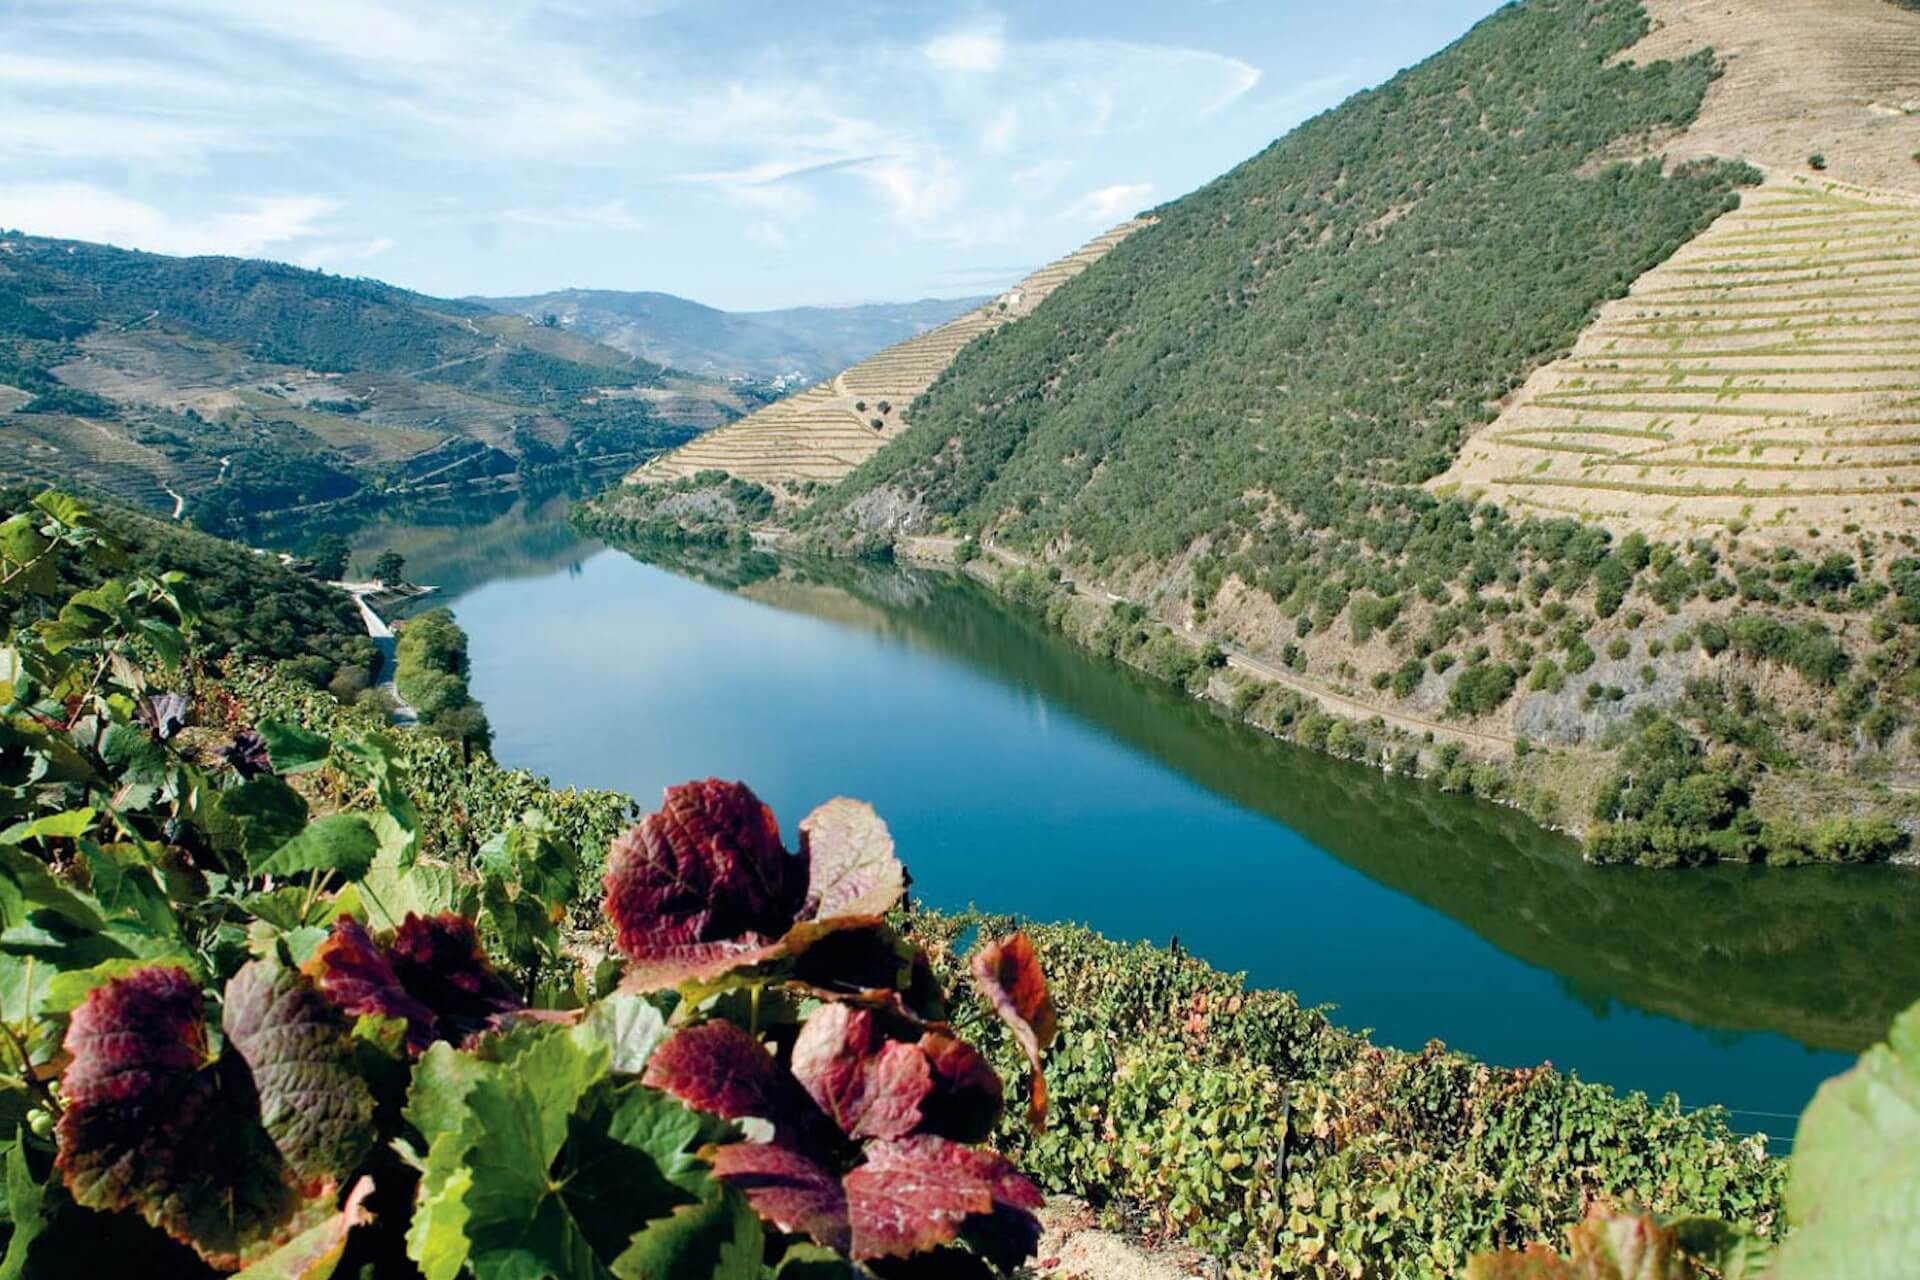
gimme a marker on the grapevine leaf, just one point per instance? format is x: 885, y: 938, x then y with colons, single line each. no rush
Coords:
x: 340, y: 842
x: 967, y: 1097
x: 316, y: 1252
x: 1008, y: 974
x: 718, y: 1238
x: 262, y: 815
x: 792, y: 1191
x: 439, y: 961
x: 918, y: 1193
x: 356, y: 975
x: 1605, y: 1245
x: 299, y: 1049
x: 27, y: 888
x: 25, y: 1201
x: 718, y: 1068
x: 851, y: 868
x: 152, y: 1125
x: 1856, y: 1162
x: 702, y: 886
x: 437, y: 1108
x: 433, y: 975
x: 518, y: 1223
x: 291, y: 748
x: 631, y: 1028
x: 871, y: 1088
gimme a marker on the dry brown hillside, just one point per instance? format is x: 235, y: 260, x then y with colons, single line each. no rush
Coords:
x: 1838, y: 78
x: 826, y: 431
x: 1767, y: 376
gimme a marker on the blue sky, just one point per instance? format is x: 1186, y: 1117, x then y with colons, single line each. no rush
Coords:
x: 745, y: 153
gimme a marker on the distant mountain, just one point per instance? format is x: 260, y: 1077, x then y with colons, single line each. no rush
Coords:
x: 756, y: 345
x: 222, y: 388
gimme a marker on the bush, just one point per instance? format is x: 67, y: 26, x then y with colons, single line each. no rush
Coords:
x: 1482, y: 688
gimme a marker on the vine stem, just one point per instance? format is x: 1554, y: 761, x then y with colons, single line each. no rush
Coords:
x: 36, y: 1086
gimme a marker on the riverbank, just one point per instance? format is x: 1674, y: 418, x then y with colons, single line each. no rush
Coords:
x: 1723, y: 805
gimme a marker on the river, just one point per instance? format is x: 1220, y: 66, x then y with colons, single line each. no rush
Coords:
x: 1024, y: 776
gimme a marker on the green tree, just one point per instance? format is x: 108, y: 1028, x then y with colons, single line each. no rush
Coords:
x: 390, y: 567
x: 330, y: 556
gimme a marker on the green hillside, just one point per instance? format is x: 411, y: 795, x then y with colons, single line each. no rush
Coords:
x: 254, y: 386
x: 1330, y: 317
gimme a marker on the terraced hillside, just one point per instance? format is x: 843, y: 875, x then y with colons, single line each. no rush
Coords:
x: 1767, y: 376
x: 1835, y: 78
x: 218, y: 389
x: 825, y: 432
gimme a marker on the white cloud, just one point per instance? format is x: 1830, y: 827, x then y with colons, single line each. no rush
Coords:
x: 609, y: 215
x: 977, y: 49
x: 81, y: 211
x: 1111, y: 204
x: 72, y: 136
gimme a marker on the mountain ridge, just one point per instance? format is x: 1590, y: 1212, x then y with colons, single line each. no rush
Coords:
x: 797, y: 344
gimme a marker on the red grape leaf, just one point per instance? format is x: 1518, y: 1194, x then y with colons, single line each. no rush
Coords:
x: 439, y: 962
x: 793, y: 1192
x: 299, y: 1049
x: 851, y: 868
x: 315, y: 1254
x: 151, y: 1125
x: 432, y: 974
x: 1008, y: 973
x: 702, y: 886
x: 718, y: 1068
x: 967, y: 1096
x: 918, y: 1193
x: 357, y: 976
x: 871, y: 1088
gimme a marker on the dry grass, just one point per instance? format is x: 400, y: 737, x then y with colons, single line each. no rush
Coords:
x: 823, y: 433
x: 1764, y: 377
x: 1836, y: 77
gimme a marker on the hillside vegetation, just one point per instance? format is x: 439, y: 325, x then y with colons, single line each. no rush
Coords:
x: 221, y: 388
x: 1238, y: 426
x: 1767, y: 376
x: 756, y: 346
x: 826, y: 431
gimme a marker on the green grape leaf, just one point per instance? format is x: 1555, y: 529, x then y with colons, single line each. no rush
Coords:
x: 26, y: 1200
x: 26, y: 888
x: 342, y: 843
x: 718, y: 1238
x: 291, y: 748
x: 437, y: 1107
x: 1856, y: 1163
x: 517, y: 1222
x: 631, y: 1029
x: 259, y: 816
x: 57, y: 826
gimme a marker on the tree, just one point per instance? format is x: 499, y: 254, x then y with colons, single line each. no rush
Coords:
x: 390, y: 566
x: 330, y: 556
